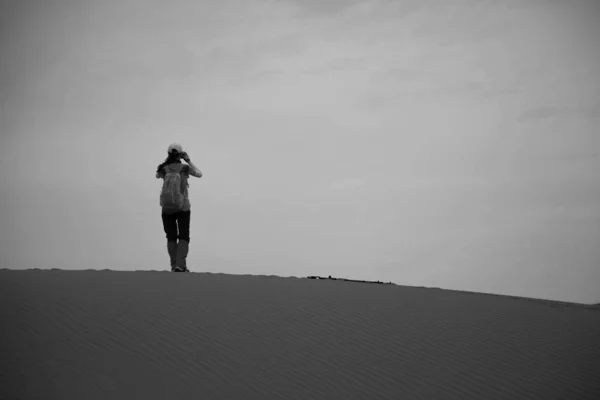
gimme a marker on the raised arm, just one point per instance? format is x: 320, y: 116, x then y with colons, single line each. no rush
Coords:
x: 194, y: 171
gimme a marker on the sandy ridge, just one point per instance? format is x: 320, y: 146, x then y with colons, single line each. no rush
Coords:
x: 103, y: 334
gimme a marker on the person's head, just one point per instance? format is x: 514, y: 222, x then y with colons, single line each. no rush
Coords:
x: 174, y: 152
x: 175, y: 147
x: 174, y: 155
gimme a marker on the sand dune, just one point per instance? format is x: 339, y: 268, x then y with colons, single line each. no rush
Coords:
x: 157, y: 335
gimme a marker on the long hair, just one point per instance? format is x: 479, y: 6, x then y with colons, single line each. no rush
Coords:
x: 173, y: 157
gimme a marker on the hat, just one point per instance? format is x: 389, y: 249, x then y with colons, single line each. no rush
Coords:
x: 175, y: 146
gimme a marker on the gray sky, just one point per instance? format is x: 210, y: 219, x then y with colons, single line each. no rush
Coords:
x: 432, y: 143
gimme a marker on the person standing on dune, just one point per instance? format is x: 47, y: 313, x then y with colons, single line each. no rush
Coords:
x: 175, y: 204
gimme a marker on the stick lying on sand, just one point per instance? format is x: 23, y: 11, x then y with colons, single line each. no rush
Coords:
x: 349, y: 280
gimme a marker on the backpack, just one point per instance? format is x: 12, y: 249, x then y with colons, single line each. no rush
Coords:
x: 171, y: 195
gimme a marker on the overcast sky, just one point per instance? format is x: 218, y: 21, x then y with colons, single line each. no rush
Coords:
x: 450, y: 143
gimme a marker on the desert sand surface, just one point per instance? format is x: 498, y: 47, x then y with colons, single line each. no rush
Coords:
x: 159, y: 335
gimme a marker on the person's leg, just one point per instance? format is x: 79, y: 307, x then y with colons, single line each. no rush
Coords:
x: 184, y: 225
x: 184, y: 239
x: 170, y: 227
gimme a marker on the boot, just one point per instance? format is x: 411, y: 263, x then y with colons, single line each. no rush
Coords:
x: 182, y: 252
x: 172, y: 249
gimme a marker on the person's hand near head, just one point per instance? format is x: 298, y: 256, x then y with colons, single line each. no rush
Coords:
x: 194, y: 171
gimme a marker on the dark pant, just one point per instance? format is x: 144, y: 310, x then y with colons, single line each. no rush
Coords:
x: 172, y: 221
